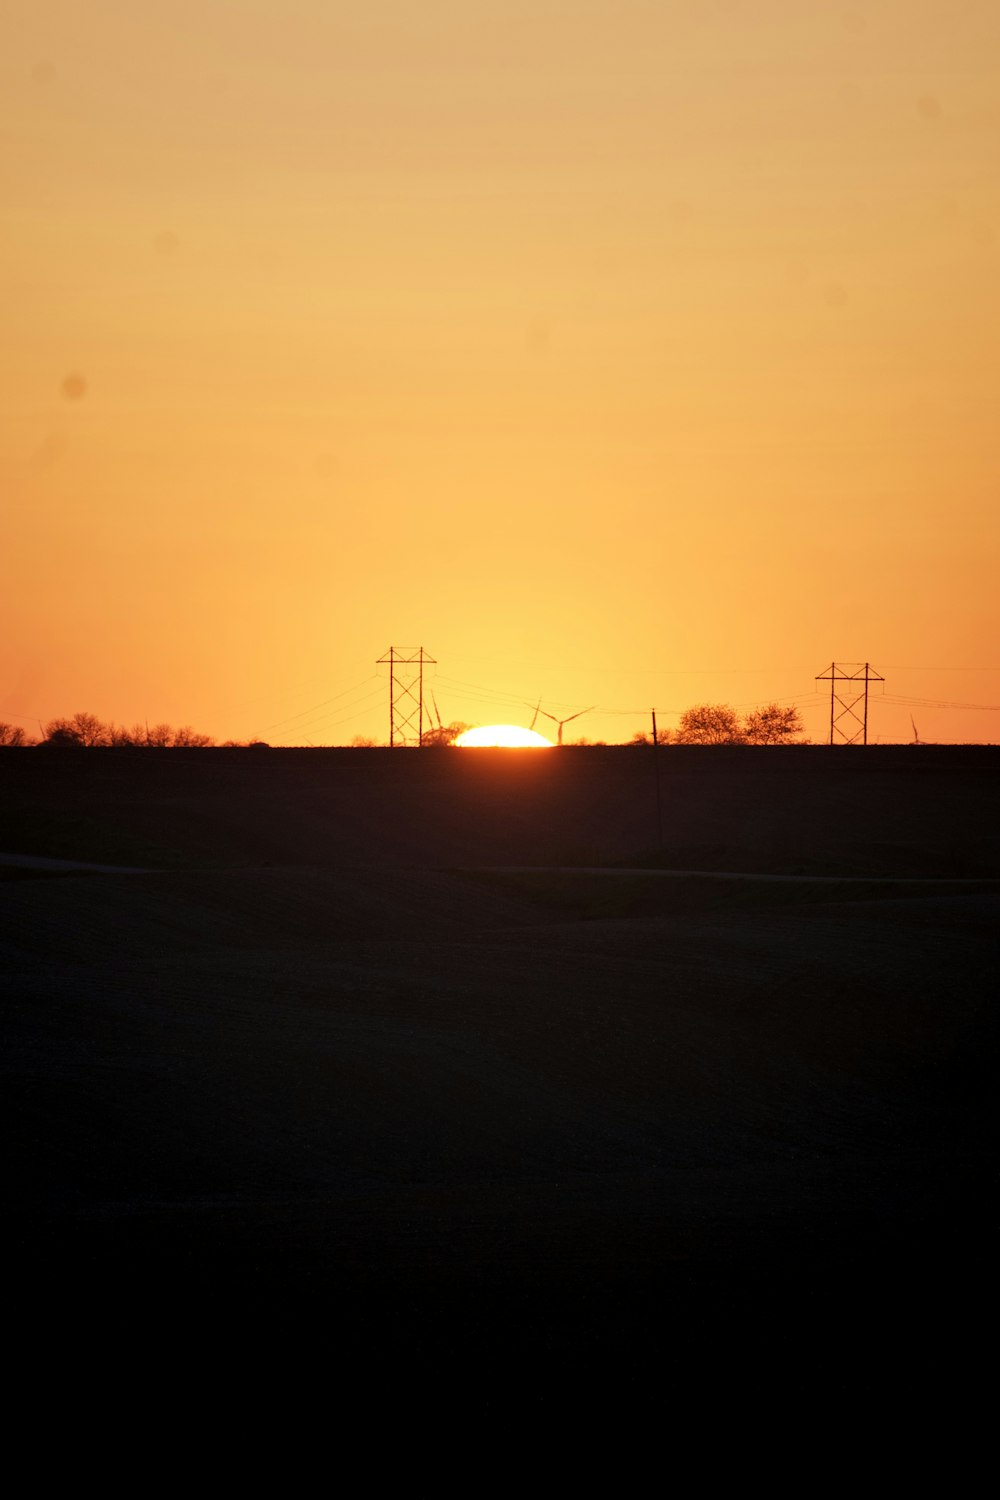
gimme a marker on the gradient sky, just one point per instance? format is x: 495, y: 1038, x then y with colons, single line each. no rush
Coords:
x: 621, y: 352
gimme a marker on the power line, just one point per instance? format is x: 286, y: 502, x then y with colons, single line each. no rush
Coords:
x: 472, y: 689
x: 512, y: 700
x: 897, y: 701
x: 660, y: 671
x: 325, y: 701
x: 351, y: 718
x: 360, y: 704
x: 809, y: 698
x: 339, y: 711
x: 306, y: 690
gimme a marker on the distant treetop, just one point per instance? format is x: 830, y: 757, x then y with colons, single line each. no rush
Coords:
x: 718, y: 724
x: 84, y: 731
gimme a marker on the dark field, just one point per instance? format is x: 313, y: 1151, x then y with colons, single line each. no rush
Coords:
x: 354, y: 1070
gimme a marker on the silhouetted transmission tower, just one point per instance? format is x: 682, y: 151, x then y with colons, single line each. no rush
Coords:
x: 849, y: 700
x: 406, y: 692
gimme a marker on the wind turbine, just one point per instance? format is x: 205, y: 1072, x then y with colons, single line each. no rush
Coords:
x: 560, y: 722
x: 432, y: 735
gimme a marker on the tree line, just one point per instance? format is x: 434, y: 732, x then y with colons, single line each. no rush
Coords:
x: 85, y: 730
x: 705, y: 724
x: 718, y: 724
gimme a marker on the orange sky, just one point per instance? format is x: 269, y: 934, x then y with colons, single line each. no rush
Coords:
x: 619, y: 352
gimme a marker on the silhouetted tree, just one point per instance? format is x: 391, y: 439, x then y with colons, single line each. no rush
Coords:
x: 119, y: 736
x: 772, y: 725
x: 13, y: 734
x: 444, y: 734
x: 87, y: 730
x: 709, y: 724
x: 663, y: 737
x: 189, y: 739
x: 82, y: 729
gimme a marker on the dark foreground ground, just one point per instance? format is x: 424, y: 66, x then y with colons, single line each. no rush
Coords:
x: 331, y: 1088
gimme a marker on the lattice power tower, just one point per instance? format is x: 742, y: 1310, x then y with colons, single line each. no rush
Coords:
x: 849, y: 700
x: 406, y: 692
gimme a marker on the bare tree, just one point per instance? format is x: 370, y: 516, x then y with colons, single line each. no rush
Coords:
x: 189, y: 739
x: 444, y: 734
x: 772, y: 725
x: 709, y: 724
x: 118, y: 735
x: 82, y: 729
x: 88, y: 730
x: 13, y: 734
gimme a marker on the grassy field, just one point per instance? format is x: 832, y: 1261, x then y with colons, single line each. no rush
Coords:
x: 354, y: 1066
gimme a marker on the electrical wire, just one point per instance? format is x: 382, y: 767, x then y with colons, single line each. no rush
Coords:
x: 358, y: 707
x: 503, y: 699
x: 372, y: 677
x: 804, y: 698
x: 477, y: 690
x: 897, y: 701
x: 498, y: 698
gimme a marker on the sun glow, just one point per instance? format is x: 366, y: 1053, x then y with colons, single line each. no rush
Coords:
x: 507, y: 736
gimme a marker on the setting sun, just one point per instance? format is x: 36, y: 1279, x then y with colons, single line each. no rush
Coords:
x: 506, y: 736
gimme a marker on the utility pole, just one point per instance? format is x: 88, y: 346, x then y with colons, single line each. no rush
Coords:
x: 406, y: 693
x: 849, y: 700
